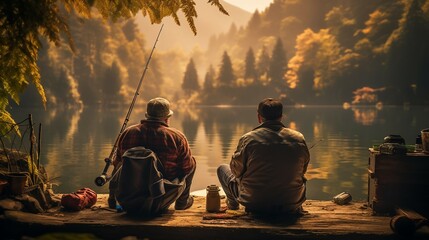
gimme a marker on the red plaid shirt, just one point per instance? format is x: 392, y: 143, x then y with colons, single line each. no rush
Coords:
x: 169, y: 144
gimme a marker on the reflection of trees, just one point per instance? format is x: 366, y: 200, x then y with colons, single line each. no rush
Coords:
x: 333, y: 164
x: 76, y: 142
x: 60, y: 127
x: 73, y: 144
x: 188, y: 117
x: 339, y: 162
x: 226, y: 120
x: 365, y: 116
x: 190, y: 127
x: 223, y: 127
x: 208, y: 125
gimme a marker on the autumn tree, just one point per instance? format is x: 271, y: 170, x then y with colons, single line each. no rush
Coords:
x: 408, y: 59
x: 23, y: 23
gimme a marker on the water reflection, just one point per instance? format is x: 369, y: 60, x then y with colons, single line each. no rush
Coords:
x: 75, y: 142
x: 365, y: 116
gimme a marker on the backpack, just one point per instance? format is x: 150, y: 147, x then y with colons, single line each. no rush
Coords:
x: 142, y: 190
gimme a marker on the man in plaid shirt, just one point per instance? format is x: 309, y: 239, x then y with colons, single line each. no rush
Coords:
x: 169, y: 144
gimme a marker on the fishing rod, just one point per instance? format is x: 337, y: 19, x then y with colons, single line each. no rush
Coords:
x: 315, y: 143
x: 104, y: 177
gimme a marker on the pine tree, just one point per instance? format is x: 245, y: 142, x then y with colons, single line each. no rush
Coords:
x: 277, y: 65
x: 24, y: 23
x: 190, y: 80
x: 249, y: 66
x: 263, y: 65
x: 226, y: 73
x: 209, y: 80
x: 254, y: 25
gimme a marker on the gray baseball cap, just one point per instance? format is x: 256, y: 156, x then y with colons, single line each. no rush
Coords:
x: 158, y: 108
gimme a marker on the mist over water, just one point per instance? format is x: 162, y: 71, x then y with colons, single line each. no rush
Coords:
x: 75, y: 142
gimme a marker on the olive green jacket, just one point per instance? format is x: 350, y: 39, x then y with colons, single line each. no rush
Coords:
x: 270, y: 163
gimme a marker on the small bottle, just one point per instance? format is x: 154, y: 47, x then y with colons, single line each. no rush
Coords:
x: 213, y: 199
x: 419, y: 147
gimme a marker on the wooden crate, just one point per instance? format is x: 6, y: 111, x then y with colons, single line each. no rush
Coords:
x: 398, y: 181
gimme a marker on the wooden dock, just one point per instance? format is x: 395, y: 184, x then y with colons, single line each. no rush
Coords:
x: 323, y: 220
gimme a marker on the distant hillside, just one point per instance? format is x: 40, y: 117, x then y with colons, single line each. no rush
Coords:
x: 326, y: 52
x: 209, y: 22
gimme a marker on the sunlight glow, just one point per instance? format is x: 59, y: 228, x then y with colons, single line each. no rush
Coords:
x: 251, y: 5
x: 224, y: 106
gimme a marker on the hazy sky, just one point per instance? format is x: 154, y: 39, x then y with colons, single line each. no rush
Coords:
x: 250, y: 5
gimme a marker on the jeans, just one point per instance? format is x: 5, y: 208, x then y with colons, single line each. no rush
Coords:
x: 183, y: 199
x: 229, y: 183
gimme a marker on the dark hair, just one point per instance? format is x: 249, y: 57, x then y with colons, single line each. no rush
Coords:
x: 270, y: 109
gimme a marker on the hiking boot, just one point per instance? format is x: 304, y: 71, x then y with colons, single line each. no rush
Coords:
x: 188, y: 204
x: 232, y: 205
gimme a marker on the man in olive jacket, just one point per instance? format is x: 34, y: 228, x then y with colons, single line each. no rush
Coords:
x: 266, y: 173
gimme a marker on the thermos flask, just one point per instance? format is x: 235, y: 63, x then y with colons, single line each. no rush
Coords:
x: 213, y: 198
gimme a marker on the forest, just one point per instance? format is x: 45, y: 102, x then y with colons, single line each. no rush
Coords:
x: 305, y: 52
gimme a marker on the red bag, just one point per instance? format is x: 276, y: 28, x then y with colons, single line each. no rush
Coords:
x: 83, y: 198
x: 90, y: 195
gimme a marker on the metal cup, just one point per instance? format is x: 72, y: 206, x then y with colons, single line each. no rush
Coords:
x: 342, y: 198
x: 425, y: 140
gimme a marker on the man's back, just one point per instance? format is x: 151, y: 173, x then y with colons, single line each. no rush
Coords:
x: 169, y: 144
x: 275, y: 159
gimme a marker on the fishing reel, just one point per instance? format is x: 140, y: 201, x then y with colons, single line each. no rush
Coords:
x: 103, y: 179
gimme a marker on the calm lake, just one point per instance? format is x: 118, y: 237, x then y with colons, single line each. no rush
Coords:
x: 75, y: 142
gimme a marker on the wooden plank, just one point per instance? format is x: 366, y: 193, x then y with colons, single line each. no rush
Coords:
x: 324, y: 220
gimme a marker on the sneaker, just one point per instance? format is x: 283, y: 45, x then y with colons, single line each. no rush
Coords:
x: 232, y: 205
x: 112, y: 202
x: 188, y: 204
